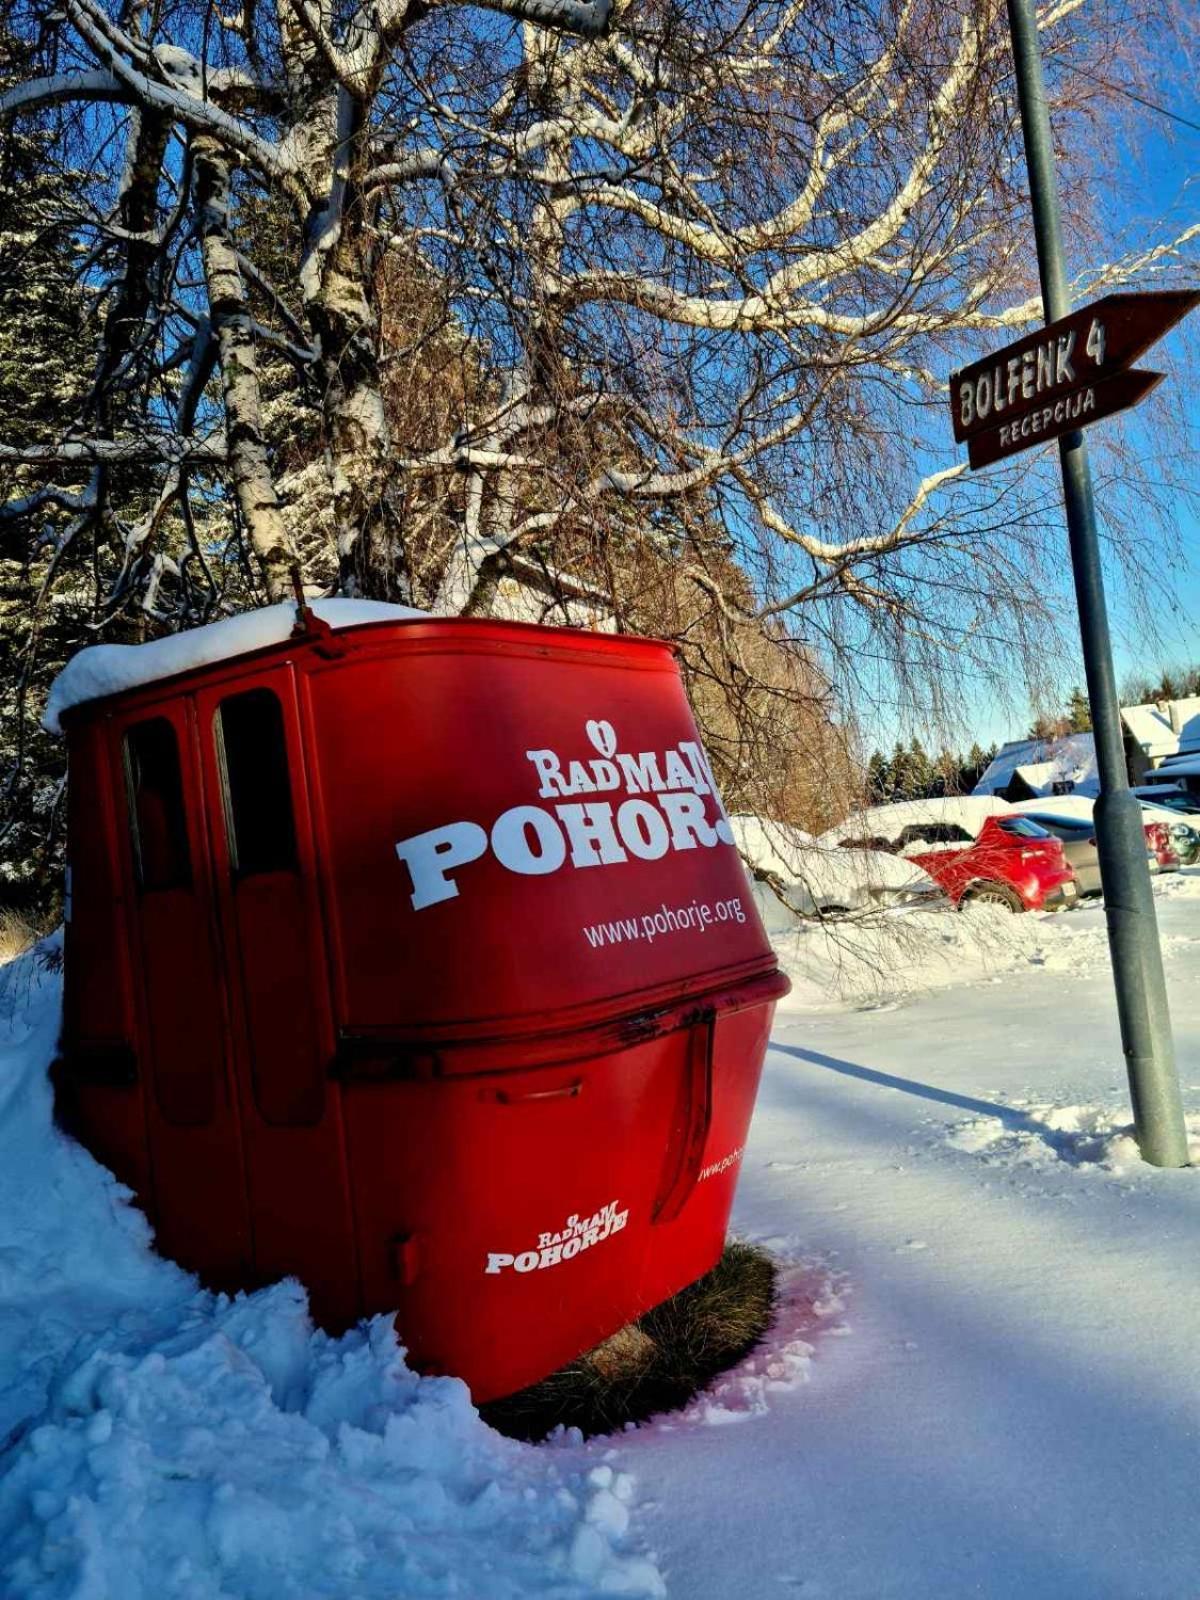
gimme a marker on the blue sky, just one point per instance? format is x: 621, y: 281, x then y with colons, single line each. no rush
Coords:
x: 1160, y: 165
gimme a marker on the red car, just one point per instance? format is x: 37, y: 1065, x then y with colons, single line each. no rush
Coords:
x: 1158, y: 837
x: 978, y: 854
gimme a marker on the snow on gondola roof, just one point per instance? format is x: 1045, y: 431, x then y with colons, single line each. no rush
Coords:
x: 104, y: 669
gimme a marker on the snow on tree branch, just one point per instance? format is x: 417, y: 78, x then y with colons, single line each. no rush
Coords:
x: 208, y: 451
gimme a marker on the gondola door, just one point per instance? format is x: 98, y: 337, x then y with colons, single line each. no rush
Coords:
x: 182, y: 1053
x: 270, y: 910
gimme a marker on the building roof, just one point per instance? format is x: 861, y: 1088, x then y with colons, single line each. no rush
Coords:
x: 1168, y: 728
x: 1187, y: 766
x: 1042, y: 763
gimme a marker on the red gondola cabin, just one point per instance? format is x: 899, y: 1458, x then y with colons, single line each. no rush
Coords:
x: 412, y: 957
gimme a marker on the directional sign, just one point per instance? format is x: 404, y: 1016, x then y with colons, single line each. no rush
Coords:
x: 1061, y: 359
x: 1062, y: 414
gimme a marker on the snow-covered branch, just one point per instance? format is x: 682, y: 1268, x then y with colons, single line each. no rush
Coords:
x: 166, y: 449
x: 64, y: 87
x: 587, y: 18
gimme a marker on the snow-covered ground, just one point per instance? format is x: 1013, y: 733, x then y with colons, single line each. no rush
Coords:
x: 1012, y: 1405
x: 982, y: 1381
x: 160, y: 1443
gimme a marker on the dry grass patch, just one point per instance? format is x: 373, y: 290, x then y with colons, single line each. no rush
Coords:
x: 656, y: 1363
x: 16, y: 936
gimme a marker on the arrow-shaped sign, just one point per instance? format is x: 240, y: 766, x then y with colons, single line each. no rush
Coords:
x: 1064, y: 413
x: 1091, y: 344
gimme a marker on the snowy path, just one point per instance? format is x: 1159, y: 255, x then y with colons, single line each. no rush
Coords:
x: 1014, y: 1407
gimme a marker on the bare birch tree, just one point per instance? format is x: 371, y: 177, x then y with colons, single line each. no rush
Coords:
x: 659, y: 298
x: 729, y: 259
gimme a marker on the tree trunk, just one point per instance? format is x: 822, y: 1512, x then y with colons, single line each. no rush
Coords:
x: 336, y: 282
x: 253, y: 481
x: 137, y: 211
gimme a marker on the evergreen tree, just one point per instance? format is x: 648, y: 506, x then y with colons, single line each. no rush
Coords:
x: 973, y: 768
x: 879, y: 779
x: 1049, y: 725
x: 1079, y: 712
x: 920, y: 770
x: 900, y: 772
x: 46, y: 362
x: 946, y: 770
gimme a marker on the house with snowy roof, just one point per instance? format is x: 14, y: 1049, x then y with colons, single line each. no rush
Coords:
x: 1163, y: 734
x: 1160, y: 732
x: 1028, y: 769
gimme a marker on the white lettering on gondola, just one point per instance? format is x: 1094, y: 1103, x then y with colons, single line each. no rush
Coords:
x: 671, y: 804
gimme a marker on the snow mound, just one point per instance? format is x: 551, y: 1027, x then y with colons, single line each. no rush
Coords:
x: 158, y: 1442
x: 104, y: 669
x: 885, y: 958
x: 1040, y: 1135
x: 1182, y: 885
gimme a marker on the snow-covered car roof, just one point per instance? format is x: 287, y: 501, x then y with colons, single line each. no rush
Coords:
x: 806, y: 876
x: 104, y: 669
x: 889, y: 822
x: 1067, y: 806
x: 1072, y: 806
x: 1175, y: 767
x: 830, y: 873
x: 1168, y: 814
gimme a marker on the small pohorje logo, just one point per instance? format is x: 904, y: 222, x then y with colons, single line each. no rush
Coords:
x: 578, y: 1233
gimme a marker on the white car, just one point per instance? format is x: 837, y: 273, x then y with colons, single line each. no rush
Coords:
x: 811, y: 877
x: 919, y: 827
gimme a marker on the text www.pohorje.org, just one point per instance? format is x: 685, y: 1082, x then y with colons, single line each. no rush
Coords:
x: 698, y: 917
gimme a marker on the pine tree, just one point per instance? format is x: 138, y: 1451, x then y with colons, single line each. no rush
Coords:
x: 899, y: 772
x: 1079, y: 712
x: 973, y: 768
x: 920, y: 770
x: 945, y: 773
x: 879, y: 779
x: 46, y: 362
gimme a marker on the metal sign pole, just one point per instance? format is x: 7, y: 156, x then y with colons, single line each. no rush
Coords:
x: 1128, y: 899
